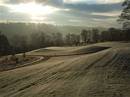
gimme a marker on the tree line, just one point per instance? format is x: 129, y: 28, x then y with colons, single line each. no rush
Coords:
x: 22, y: 43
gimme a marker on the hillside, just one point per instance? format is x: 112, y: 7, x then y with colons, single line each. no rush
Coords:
x: 27, y: 28
x: 98, y: 70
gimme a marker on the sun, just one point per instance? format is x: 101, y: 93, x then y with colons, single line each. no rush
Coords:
x: 33, y: 9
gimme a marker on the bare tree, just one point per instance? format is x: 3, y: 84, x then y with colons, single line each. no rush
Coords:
x: 85, y: 36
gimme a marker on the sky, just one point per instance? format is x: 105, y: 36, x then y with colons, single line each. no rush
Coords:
x: 91, y: 13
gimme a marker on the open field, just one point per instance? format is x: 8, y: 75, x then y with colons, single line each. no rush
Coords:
x: 97, y: 70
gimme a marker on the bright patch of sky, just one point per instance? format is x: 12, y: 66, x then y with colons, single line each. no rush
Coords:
x: 93, y: 1
x: 111, y: 14
x: 62, y: 12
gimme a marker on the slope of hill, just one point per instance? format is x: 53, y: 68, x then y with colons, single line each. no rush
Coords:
x: 26, y: 28
x: 101, y: 73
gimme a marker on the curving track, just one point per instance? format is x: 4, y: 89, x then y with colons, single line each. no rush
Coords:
x: 102, y: 74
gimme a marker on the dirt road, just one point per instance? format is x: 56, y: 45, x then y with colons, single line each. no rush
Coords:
x: 104, y: 73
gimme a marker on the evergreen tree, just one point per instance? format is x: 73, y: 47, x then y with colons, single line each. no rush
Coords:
x: 125, y: 15
x: 4, y: 44
x: 125, y: 19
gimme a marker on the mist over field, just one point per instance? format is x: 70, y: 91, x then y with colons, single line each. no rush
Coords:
x: 64, y: 48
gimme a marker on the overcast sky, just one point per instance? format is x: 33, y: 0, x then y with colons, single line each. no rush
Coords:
x: 102, y: 13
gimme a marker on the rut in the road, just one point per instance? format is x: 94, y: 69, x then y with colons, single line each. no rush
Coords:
x: 102, y: 74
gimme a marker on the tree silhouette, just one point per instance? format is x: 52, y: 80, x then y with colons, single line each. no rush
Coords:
x: 125, y: 19
x: 95, y: 35
x: 125, y: 15
x: 4, y: 44
x: 85, y: 35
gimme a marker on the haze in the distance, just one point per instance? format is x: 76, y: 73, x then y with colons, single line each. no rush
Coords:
x: 90, y: 13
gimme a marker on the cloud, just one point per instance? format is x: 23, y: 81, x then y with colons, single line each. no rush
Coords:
x: 94, y: 7
x: 74, y: 20
x: 58, y: 2
x: 109, y: 14
x: 15, y: 1
x: 3, y: 1
x: 108, y: 1
x: 74, y: 1
x: 3, y: 9
x: 32, y: 8
x: 93, y: 1
x: 63, y: 12
x: 21, y: 1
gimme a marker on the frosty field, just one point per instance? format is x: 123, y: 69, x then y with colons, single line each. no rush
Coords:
x: 97, y: 70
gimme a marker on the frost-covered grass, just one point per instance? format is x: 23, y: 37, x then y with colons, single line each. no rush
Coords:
x: 104, y: 73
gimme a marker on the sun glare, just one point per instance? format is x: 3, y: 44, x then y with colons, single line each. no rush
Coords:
x: 33, y: 9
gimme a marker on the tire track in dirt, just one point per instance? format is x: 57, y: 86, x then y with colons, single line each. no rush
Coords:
x: 41, y: 73
x: 74, y: 76
x: 114, y: 57
x: 116, y: 81
x: 50, y: 78
x: 25, y: 78
x: 71, y: 76
x: 53, y: 80
x: 45, y: 59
